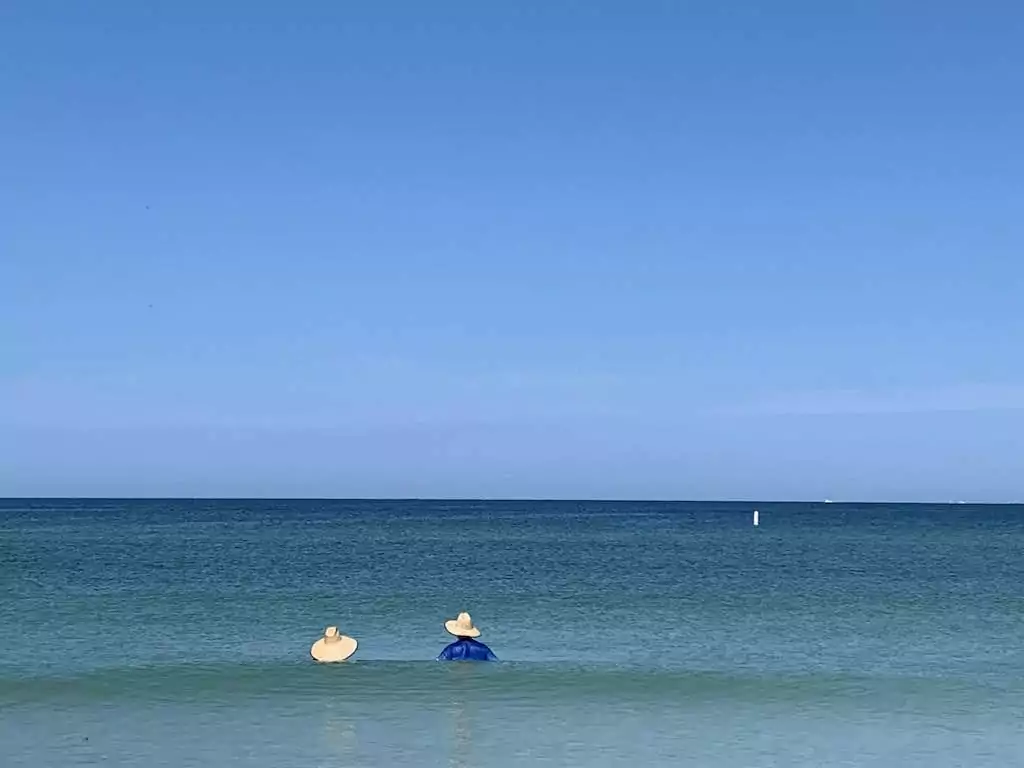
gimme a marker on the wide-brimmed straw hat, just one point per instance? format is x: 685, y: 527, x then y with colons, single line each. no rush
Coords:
x: 462, y: 626
x: 333, y: 646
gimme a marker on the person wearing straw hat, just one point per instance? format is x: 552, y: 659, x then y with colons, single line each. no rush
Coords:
x: 466, y: 646
x: 333, y: 646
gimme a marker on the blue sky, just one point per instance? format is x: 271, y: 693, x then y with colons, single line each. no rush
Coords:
x: 645, y: 250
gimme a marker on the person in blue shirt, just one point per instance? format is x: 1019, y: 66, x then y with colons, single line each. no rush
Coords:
x: 466, y: 646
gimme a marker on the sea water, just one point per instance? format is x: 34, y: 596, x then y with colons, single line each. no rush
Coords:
x: 177, y: 633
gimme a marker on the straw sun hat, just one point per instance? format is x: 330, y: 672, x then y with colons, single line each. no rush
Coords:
x: 333, y: 646
x: 462, y: 626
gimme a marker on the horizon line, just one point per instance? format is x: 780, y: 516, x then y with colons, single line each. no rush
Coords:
x: 515, y: 499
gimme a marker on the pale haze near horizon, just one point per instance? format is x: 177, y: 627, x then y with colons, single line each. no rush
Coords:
x: 564, y: 250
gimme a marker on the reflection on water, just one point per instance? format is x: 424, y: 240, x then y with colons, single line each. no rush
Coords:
x: 362, y: 726
x: 341, y: 739
x: 462, y: 741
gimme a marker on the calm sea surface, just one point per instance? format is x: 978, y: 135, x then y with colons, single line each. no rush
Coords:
x: 177, y: 633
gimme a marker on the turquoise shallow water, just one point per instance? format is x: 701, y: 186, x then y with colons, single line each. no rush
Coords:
x: 177, y: 633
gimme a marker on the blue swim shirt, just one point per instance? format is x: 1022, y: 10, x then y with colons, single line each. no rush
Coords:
x: 467, y: 649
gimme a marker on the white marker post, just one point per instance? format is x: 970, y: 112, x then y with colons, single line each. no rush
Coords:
x: 756, y: 518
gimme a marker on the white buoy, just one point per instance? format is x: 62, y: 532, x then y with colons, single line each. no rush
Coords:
x: 756, y: 518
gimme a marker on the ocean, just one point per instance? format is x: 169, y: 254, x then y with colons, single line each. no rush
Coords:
x: 177, y: 633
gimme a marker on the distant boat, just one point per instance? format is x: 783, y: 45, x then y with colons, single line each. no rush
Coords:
x: 828, y: 501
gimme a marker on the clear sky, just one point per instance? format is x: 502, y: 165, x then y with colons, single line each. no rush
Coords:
x: 540, y: 249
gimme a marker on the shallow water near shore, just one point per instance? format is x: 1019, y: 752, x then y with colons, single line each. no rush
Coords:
x: 177, y: 633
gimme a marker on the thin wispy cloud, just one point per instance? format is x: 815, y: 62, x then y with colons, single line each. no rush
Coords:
x: 961, y: 398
